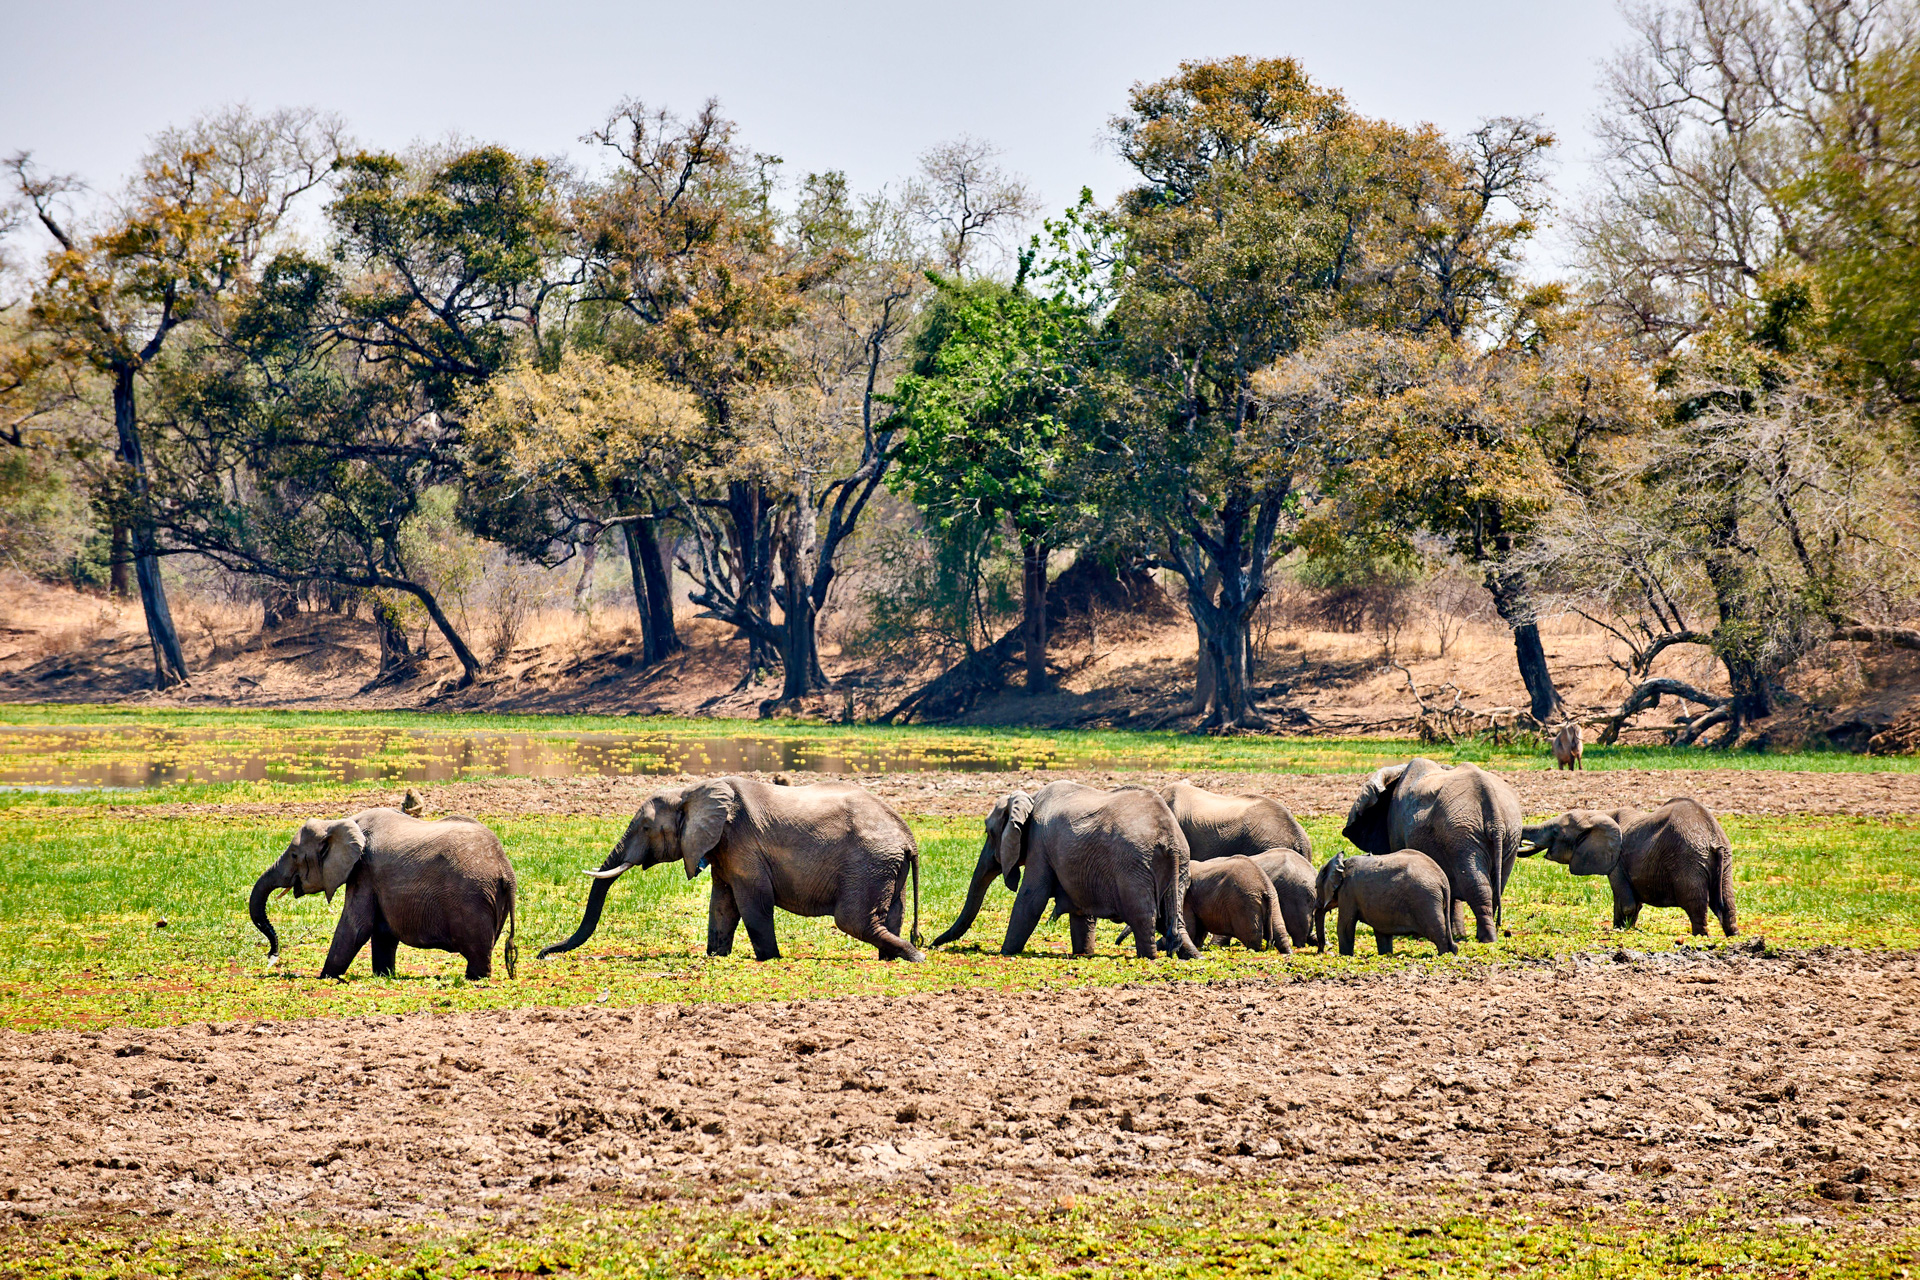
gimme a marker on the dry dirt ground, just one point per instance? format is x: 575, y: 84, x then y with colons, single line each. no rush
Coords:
x: 1678, y: 1078
x: 58, y: 645
x: 1727, y: 791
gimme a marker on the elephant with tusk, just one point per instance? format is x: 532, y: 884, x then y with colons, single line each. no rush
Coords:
x: 439, y: 886
x: 826, y: 849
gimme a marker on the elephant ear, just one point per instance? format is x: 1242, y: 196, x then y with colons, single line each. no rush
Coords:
x: 705, y: 814
x: 1013, y: 832
x: 1367, y: 819
x: 1597, y: 850
x: 341, y: 851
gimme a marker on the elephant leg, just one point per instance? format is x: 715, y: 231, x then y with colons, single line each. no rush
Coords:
x: 1383, y: 942
x: 858, y: 920
x: 479, y: 961
x: 353, y: 931
x: 1081, y: 927
x: 1697, y: 918
x: 1192, y: 919
x: 1037, y: 888
x: 1348, y: 919
x: 386, y: 945
x: 1479, y: 899
x: 723, y: 919
x: 755, y: 900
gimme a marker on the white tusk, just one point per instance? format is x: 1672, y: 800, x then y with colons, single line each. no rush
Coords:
x: 613, y: 874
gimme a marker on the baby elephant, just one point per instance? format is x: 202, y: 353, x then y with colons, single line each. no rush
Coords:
x: 1232, y: 898
x: 1676, y: 856
x: 1400, y: 895
x: 1568, y: 746
x: 439, y: 886
x: 1293, y: 881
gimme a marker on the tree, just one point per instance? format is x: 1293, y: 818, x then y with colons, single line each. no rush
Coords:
x: 1254, y: 229
x: 987, y: 416
x: 558, y: 457
x: 967, y: 201
x: 209, y: 199
x: 305, y: 437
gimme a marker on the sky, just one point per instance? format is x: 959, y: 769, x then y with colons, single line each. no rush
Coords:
x: 857, y: 86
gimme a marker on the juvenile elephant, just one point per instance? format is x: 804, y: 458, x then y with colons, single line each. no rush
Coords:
x: 1292, y: 878
x: 1676, y: 856
x: 1400, y: 895
x: 439, y: 886
x: 1233, y: 898
x: 1220, y: 826
x: 1464, y: 818
x: 1569, y: 744
x: 825, y: 849
x: 1101, y: 855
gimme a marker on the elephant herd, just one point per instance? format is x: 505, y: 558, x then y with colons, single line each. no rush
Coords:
x: 1179, y: 868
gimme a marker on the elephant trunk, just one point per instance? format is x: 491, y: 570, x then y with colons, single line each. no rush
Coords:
x: 596, y: 901
x: 1533, y: 839
x: 274, y: 877
x: 983, y: 873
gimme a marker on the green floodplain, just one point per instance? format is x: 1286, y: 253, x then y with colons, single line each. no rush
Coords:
x: 87, y: 877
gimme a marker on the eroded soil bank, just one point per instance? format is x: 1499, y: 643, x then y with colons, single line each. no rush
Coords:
x: 1672, y: 1078
x: 1736, y: 791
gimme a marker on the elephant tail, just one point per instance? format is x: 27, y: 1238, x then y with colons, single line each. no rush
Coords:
x: 914, y: 935
x: 511, y: 952
x: 1720, y: 888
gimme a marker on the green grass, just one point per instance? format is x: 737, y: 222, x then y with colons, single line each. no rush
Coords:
x: 80, y: 897
x: 1173, y: 1230
x: 140, y: 746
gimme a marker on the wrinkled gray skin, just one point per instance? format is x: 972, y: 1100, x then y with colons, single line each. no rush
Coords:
x: 1222, y: 826
x: 1101, y: 855
x: 1399, y: 895
x: 1231, y: 898
x: 439, y: 886
x: 1675, y: 856
x: 1464, y: 818
x: 826, y: 849
x: 1292, y: 878
x: 1569, y: 745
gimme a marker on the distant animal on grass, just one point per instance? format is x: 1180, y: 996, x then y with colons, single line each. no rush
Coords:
x: 412, y: 805
x: 438, y: 886
x: 1464, y: 818
x: 1398, y: 895
x: 1569, y: 744
x: 1676, y: 856
x: 825, y: 849
x: 1233, y: 898
x: 1100, y: 855
x: 1220, y: 826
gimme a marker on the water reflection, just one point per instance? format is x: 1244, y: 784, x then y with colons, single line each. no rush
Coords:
x: 153, y: 756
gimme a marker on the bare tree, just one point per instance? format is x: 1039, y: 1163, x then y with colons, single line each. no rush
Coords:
x: 967, y: 201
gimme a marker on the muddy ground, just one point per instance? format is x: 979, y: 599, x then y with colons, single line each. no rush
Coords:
x: 1676, y: 1078
x: 1736, y: 791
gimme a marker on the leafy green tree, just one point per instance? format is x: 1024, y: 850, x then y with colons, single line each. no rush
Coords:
x: 988, y: 419
x: 208, y: 202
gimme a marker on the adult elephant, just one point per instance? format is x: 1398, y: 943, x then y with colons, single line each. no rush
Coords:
x: 1223, y: 826
x: 1102, y: 855
x: 825, y: 849
x: 1464, y: 818
x: 439, y: 886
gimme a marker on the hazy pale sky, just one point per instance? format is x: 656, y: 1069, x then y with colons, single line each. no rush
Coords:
x: 858, y: 86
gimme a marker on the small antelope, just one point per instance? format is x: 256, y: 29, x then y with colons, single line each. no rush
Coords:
x: 1568, y: 746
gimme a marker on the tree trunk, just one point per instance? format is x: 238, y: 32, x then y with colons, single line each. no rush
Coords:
x: 658, y: 571
x: 395, y: 654
x: 119, y: 581
x: 583, y: 586
x: 169, y: 664
x: 1510, y: 600
x: 799, y: 647
x: 633, y: 534
x: 470, y: 666
x: 1033, y: 621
